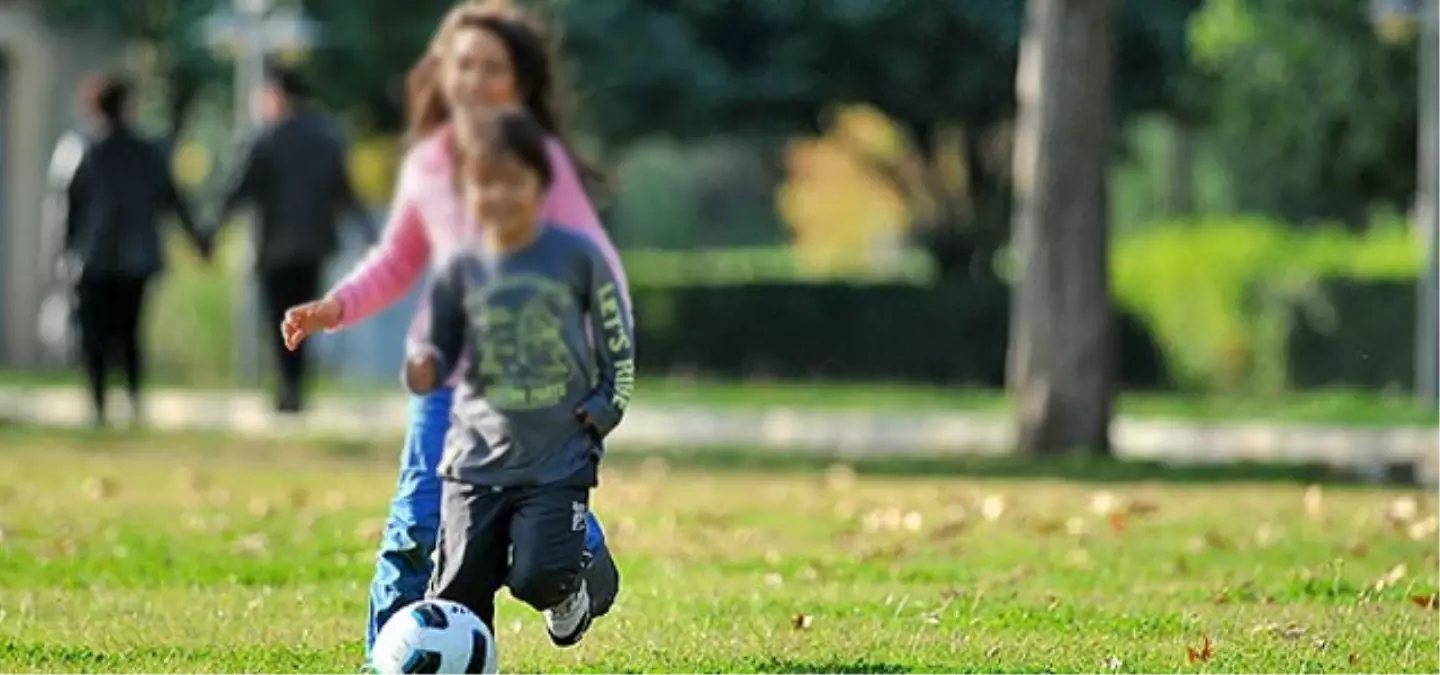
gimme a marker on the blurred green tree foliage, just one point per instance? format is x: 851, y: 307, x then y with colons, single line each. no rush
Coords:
x: 944, y: 69
x: 1313, y: 110
x: 687, y: 69
x: 166, y: 35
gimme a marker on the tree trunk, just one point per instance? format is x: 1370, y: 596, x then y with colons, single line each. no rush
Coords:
x: 1062, y: 349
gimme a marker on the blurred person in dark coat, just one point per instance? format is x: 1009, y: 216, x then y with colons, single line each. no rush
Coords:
x: 295, y: 174
x: 113, y: 197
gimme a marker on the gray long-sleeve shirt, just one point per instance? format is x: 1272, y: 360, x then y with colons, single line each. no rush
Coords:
x: 549, y: 341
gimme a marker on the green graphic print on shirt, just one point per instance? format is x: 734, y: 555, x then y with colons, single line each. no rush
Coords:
x: 524, y: 361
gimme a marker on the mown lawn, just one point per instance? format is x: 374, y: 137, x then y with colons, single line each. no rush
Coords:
x: 213, y: 554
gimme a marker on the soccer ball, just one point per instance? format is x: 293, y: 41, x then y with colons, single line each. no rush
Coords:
x: 434, y: 636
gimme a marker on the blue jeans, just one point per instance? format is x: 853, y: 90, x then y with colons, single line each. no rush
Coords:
x: 402, y: 568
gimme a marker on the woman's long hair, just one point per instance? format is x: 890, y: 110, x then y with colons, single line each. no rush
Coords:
x: 531, y: 56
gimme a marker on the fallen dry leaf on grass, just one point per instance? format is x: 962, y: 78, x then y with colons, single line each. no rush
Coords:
x: 1402, y: 510
x: 892, y: 552
x: 993, y: 507
x: 1267, y: 534
x: 193, y: 481
x: 1425, y: 528
x: 1314, y: 502
x: 1431, y: 601
x: 1117, y: 522
x: 260, y: 507
x: 949, y: 530
x: 1104, y: 503
x: 1140, y: 507
x: 1210, y: 540
x: 58, y: 548
x: 217, y: 496
x: 1358, y: 549
x: 1290, y: 631
x: 254, y: 544
x: 1201, y: 655
x: 99, y: 487
x: 1390, y: 578
x: 1046, y: 528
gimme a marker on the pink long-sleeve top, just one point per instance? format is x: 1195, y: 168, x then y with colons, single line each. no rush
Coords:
x: 428, y: 222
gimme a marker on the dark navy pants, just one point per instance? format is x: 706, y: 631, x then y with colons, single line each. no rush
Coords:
x: 404, y: 564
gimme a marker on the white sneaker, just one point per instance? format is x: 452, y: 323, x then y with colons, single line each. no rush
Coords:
x: 568, y: 621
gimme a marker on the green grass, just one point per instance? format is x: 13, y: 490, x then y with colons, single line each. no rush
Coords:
x: 205, y: 553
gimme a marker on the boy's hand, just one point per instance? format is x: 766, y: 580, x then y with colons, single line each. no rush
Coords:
x: 421, y: 375
x: 302, y: 321
x: 588, y: 424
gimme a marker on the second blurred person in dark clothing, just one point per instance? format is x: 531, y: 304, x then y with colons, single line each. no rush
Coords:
x: 295, y: 175
x: 114, y: 200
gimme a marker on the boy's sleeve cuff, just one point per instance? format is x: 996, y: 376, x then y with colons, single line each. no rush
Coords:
x: 602, y: 413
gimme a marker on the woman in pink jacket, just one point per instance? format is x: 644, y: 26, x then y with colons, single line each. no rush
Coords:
x: 485, y: 56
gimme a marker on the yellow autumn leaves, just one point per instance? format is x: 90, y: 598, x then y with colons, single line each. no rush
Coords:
x: 841, y: 206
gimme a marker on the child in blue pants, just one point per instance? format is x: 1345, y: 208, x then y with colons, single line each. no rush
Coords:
x: 403, y: 567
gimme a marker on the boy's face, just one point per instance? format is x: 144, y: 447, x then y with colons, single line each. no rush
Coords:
x: 504, y: 194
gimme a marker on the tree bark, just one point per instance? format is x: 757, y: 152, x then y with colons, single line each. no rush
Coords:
x: 1062, y: 349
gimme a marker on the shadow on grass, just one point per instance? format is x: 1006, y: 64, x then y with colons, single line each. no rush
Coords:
x: 382, y: 449
x: 781, y: 667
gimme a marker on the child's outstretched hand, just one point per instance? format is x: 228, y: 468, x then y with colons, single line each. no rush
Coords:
x: 302, y: 321
x: 421, y: 373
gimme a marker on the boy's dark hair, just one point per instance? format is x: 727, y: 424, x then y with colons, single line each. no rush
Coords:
x: 112, y: 97
x: 512, y: 132
x: 288, y: 80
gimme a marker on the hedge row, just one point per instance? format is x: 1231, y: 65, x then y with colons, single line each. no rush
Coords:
x: 1223, y: 296
x: 949, y: 334
x: 1217, y: 305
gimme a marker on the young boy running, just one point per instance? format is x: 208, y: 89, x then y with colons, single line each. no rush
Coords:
x: 551, y: 370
